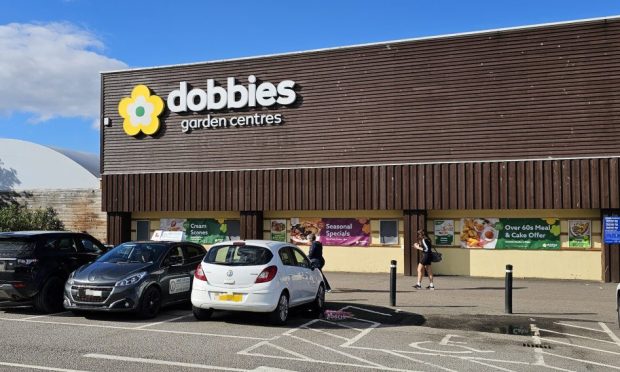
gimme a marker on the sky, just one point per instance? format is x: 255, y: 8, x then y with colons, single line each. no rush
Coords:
x: 52, y: 51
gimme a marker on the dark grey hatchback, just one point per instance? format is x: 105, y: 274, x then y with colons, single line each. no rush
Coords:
x: 135, y: 276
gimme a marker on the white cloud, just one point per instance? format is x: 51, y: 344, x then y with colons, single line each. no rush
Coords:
x: 51, y: 70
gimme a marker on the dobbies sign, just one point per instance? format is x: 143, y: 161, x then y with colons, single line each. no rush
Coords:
x: 141, y: 111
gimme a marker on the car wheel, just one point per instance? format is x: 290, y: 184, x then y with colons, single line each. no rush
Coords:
x: 202, y: 314
x: 150, y: 302
x: 50, y: 297
x: 280, y: 315
x: 318, y: 306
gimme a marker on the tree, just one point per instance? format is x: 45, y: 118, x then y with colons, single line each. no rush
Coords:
x: 16, y: 217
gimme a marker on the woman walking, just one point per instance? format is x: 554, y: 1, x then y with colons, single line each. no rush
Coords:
x: 424, y: 244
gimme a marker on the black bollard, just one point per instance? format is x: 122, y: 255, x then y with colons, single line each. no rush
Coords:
x: 393, y: 283
x: 508, y: 289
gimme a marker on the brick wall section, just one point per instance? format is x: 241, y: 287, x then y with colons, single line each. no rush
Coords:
x: 78, y: 209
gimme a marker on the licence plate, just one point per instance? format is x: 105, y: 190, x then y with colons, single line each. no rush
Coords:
x: 93, y: 293
x: 235, y: 297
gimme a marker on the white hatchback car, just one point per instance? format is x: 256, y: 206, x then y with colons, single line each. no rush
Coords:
x: 257, y: 276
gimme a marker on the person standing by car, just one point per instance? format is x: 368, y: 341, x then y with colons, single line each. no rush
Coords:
x: 316, y: 257
x: 424, y: 244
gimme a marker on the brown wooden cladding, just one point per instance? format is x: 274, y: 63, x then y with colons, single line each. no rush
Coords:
x: 533, y: 93
x: 414, y: 220
x: 119, y: 228
x: 548, y: 184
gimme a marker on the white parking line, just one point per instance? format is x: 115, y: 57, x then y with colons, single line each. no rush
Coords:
x: 297, y: 356
x: 161, y: 362
x: 577, y: 336
x: 419, y: 361
x: 30, y: 366
x: 580, y: 360
x: 326, y: 333
x: 368, y: 362
x: 492, y: 365
x: 610, y: 333
x: 44, y: 315
x: 137, y: 329
x: 363, y: 309
x: 164, y: 321
x: 580, y: 327
x: 579, y: 346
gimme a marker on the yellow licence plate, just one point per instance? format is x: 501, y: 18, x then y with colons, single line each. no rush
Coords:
x: 235, y: 297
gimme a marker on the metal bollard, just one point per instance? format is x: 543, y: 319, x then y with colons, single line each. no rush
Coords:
x: 393, y: 283
x: 508, y: 289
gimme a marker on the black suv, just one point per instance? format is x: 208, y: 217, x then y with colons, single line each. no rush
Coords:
x: 34, y: 265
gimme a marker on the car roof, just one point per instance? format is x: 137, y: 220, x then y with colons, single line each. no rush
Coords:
x: 165, y: 242
x: 35, y: 233
x: 269, y: 244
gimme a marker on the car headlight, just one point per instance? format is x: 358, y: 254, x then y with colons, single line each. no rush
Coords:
x: 70, y: 280
x: 132, y: 279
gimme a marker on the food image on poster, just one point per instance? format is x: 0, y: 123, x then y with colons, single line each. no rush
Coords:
x: 278, y: 230
x: 579, y: 234
x: 510, y: 233
x: 301, y: 228
x: 332, y: 231
x: 444, y: 232
x: 172, y: 224
x: 479, y: 233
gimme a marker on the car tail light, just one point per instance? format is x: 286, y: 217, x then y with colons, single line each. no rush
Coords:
x: 199, y: 274
x: 19, y: 285
x: 267, y: 274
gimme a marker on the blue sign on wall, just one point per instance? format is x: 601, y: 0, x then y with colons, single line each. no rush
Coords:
x: 611, y: 230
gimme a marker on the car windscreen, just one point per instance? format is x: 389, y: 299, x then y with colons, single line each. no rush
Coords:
x: 135, y: 253
x: 16, y: 247
x: 238, y: 255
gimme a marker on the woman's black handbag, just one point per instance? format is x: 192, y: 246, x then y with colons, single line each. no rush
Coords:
x: 436, y: 256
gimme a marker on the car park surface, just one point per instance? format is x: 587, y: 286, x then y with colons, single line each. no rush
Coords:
x: 34, y: 265
x: 458, y: 327
x: 259, y: 276
x: 135, y: 276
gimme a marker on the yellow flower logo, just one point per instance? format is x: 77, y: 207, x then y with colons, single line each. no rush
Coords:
x: 141, y: 111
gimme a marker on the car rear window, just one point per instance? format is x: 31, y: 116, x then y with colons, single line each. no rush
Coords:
x: 15, y: 247
x: 238, y: 255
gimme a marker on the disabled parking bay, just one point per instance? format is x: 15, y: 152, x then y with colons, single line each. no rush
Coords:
x: 352, y: 337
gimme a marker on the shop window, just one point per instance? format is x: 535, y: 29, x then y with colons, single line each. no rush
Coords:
x: 388, y: 230
x: 143, y: 230
x: 233, y: 229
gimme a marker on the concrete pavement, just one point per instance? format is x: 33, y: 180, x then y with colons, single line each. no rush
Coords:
x: 565, y: 299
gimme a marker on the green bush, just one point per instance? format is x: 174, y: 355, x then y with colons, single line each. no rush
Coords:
x: 15, y: 217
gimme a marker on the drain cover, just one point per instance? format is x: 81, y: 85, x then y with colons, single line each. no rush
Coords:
x: 540, y: 346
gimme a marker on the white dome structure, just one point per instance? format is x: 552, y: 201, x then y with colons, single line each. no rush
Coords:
x: 29, y: 166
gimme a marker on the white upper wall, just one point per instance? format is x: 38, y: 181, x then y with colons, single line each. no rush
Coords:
x: 28, y: 166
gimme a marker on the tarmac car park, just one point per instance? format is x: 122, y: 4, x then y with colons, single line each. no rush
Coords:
x: 458, y: 327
